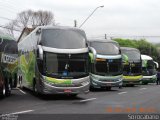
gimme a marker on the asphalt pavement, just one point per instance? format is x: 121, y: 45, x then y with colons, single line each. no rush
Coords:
x: 141, y: 99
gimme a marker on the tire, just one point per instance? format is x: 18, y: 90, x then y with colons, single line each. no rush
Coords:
x: 108, y: 88
x: 35, y: 90
x: 120, y: 87
x: 91, y: 88
x: 20, y: 81
x: 145, y: 83
x: 131, y: 85
x: 73, y: 95
x: 7, y: 87
x: 15, y: 81
x: 3, y: 92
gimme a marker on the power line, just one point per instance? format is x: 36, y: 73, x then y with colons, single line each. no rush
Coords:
x: 10, y: 28
x: 148, y: 36
x: 126, y: 36
x: 6, y: 18
x: 9, y: 5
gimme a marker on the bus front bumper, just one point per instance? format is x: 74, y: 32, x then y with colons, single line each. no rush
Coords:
x: 149, y: 79
x: 132, y: 80
x: 51, y: 89
x: 108, y: 82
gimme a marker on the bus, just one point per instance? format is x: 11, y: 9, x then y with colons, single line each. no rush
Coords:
x: 54, y: 60
x: 148, y: 70
x: 132, y: 66
x: 8, y: 64
x: 106, y: 66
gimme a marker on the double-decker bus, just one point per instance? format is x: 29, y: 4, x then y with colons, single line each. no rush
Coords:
x: 132, y: 66
x: 54, y: 60
x: 8, y: 64
x: 148, y: 69
x: 106, y: 66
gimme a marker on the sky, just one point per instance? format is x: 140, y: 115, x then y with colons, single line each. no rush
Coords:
x: 127, y: 18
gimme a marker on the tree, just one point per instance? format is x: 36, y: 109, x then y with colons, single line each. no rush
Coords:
x: 30, y: 18
x: 144, y: 47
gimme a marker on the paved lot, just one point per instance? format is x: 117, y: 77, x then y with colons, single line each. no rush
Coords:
x: 138, y: 99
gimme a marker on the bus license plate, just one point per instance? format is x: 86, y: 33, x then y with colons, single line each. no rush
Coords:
x: 108, y: 84
x: 67, y: 91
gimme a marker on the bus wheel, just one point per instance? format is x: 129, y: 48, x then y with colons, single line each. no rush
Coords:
x: 120, y: 87
x: 73, y: 95
x: 145, y: 83
x: 91, y: 88
x: 3, y: 92
x: 15, y: 81
x: 35, y: 88
x: 20, y: 81
x: 108, y: 88
x: 131, y: 85
x: 7, y: 88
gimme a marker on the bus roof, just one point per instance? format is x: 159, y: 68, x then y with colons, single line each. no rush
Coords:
x: 129, y: 48
x: 146, y: 57
x: 60, y: 37
x: 102, y: 40
x: 58, y: 27
x: 105, y: 46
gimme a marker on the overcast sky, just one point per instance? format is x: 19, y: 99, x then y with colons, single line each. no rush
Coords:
x: 118, y: 17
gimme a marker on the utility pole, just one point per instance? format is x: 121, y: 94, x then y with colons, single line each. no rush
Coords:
x: 105, y: 36
x: 90, y: 15
x: 75, y: 23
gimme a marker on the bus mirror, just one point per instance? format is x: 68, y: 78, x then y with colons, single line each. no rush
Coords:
x: 94, y: 52
x: 40, y: 52
x: 87, y: 44
x: 38, y: 31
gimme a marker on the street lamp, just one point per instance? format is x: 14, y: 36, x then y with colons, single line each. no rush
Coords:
x: 91, y: 15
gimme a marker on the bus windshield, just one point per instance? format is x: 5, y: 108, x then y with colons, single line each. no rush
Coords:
x: 148, y: 67
x: 63, y: 39
x: 132, y: 68
x: 107, y: 67
x: 66, y: 65
x: 131, y: 55
x: 104, y: 48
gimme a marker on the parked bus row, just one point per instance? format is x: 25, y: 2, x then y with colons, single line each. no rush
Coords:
x: 8, y: 64
x: 61, y: 60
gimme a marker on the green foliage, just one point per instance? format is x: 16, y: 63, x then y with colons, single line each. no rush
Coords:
x: 144, y: 46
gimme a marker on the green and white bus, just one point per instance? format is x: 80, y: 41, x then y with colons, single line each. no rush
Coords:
x: 148, y: 70
x: 8, y: 64
x: 54, y: 60
x: 132, y: 66
x: 106, y: 64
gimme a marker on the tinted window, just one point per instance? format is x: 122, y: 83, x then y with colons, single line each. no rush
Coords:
x: 131, y: 55
x: 105, y: 48
x: 66, y: 65
x: 64, y: 39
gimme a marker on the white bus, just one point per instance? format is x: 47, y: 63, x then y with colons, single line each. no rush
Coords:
x: 148, y: 69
